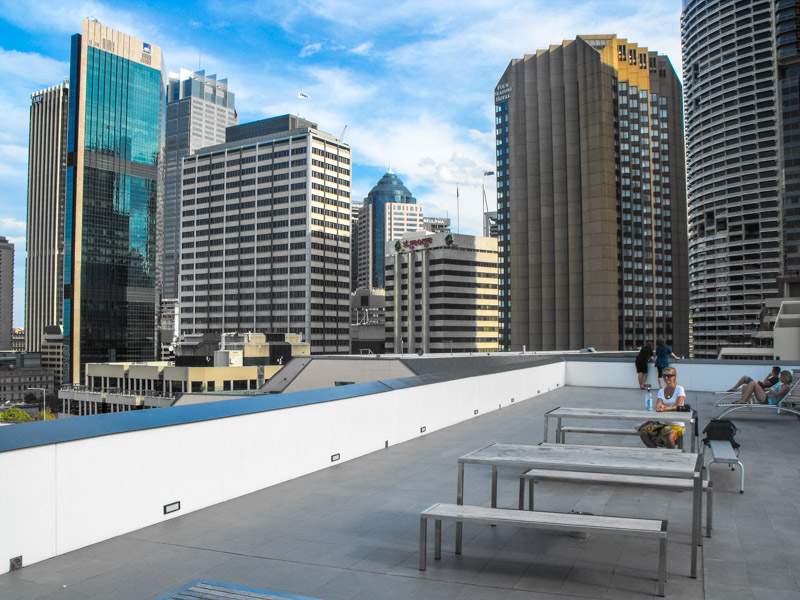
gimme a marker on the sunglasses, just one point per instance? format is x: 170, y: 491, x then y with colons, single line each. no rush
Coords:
x: 669, y: 376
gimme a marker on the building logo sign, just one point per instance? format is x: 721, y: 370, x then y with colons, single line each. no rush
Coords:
x: 502, y: 92
x: 37, y: 99
x: 146, y: 48
x: 411, y: 244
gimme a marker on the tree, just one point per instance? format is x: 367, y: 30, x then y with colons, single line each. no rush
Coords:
x: 49, y: 416
x: 15, y: 415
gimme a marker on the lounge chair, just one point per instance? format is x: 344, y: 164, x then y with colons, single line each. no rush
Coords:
x: 788, y: 403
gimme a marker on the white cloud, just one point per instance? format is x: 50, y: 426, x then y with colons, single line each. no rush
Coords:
x: 362, y: 49
x: 310, y: 50
x: 13, y: 229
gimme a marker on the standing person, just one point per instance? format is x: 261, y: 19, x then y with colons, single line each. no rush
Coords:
x: 644, y: 356
x: 670, y: 397
x: 663, y: 352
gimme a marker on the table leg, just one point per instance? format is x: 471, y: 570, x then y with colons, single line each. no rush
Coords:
x: 459, y: 501
x: 544, y: 439
x: 559, y: 435
x: 494, y: 486
x: 696, y: 516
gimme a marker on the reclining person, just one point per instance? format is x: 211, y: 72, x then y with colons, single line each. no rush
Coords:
x: 771, y: 395
x: 768, y: 381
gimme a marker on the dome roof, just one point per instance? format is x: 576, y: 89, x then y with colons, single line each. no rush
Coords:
x: 391, y: 189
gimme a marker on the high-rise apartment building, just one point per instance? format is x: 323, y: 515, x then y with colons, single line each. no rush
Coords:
x: 113, y: 193
x: 735, y: 112
x: 199, y: 110
x: 591, y: 208
x: 389, y: 211
x: 787, y: 48
x: 266, y: 234
x: 6, y: 292
x: 441, y: 293
x: 47, y: 185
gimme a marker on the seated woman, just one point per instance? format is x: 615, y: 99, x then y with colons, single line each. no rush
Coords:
x: 768, y: 381
x: 772, y: 395
x: 670, y: 397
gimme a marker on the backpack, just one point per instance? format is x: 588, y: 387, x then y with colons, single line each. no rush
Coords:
x: 721, y: 429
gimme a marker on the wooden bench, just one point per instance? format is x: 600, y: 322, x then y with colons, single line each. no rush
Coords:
x: 605, y: 430
x: 602, y: 430
x: 667, y: 483
x: 722, y: 452
x: 539, y: 520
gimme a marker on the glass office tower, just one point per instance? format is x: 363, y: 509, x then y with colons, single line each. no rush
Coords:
x: 388, y: 212
x: 111, y: 217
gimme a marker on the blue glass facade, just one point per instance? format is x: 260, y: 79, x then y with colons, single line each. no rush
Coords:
x: 389, y: 189
x: 111, y: 214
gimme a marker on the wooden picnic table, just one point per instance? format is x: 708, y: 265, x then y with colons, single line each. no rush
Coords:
x: 594, y: 459
x: 618, y: 414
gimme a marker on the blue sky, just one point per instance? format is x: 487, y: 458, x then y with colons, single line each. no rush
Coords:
x: 412, y: 81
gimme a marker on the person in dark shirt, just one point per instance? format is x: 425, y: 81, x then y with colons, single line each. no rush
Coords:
x: 645, y: 355
x: 771, y: 379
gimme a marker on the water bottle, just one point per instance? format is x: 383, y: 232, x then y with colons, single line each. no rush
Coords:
x: 648, y: 400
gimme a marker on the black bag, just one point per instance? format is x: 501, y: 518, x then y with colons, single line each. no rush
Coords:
x: 720, y: 429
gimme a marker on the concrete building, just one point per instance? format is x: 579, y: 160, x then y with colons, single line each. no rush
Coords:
x: 47, y: 187
x: 777, y: 337
x: 199, y: 110
x: 388, y: 212
x: 367, y: 321
x: 114, y: 192
x: 266, y: 234
x: 591, y: 209
x: 6, y: 293
x: 454, y: 305
x: 18, y: 339
x: 21, y: 375
x: 436, y: 224
x: 741, y: 102
x: 490, y: 224
x: 240, y: 365
x: 53, y: 352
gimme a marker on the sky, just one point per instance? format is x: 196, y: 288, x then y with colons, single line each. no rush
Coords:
x: 411, y: 80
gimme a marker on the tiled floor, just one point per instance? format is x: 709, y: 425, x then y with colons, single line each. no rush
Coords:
x: 351, y: 532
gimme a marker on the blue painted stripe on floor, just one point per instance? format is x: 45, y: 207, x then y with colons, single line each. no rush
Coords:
x: 208, y: 588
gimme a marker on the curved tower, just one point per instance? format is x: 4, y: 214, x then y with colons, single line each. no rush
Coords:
x: 388, y: 212
x: 732, y: 168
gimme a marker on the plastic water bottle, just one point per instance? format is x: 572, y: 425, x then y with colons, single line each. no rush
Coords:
x: 648, y: 400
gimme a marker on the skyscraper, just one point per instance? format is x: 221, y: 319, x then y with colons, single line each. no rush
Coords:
x: 389, y: 211
x: 733, y: 152
x: 441, y: 293
x: 591, y: 205
x: 199, y: 109
x: 114, y: 157
x: 47, y: 169
x: 266, y: 234
x: 6, y: 292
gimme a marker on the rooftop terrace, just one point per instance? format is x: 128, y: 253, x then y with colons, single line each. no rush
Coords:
x: 350, y: 531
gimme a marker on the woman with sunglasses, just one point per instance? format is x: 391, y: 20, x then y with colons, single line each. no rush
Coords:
x: 670, y: 397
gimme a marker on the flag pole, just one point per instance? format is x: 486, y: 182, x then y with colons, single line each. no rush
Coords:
x: 458, y: 211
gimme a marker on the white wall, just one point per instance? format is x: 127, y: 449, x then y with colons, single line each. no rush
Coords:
x: 82, y: 492
x: 694, y: 375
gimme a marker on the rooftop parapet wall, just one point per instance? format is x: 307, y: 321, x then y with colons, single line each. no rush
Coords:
x: 93, y: 478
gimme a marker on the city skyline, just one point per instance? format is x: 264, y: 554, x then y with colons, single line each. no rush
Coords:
x: 395, y: 75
